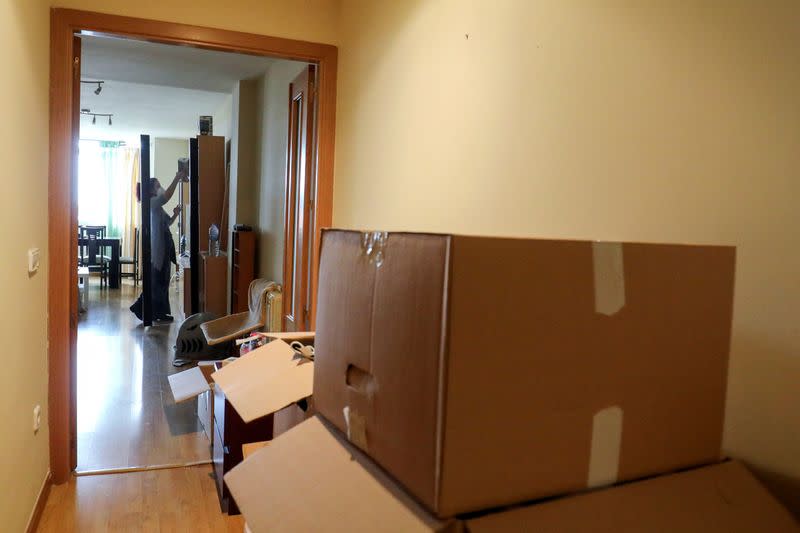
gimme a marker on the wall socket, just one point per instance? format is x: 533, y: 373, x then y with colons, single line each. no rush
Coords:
x: 37, y: 418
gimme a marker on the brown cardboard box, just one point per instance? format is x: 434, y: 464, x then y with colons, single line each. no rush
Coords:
x: 481, y: 372
x: 265, y: 380
x: 311, y: 479
x: 291, y: 415
x: 722, y: 498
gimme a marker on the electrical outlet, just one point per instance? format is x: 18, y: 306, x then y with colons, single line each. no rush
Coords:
x: 37, y: 418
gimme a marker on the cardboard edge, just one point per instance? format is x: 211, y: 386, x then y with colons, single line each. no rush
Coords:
x: 444, y: 350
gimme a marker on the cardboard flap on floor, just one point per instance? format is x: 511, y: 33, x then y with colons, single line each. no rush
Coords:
x: 310, y: 479
x: 265, y: 380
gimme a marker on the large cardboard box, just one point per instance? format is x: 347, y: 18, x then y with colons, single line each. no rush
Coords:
x: 310, y: 479
x: 722, y: 498
x: 481, y: 372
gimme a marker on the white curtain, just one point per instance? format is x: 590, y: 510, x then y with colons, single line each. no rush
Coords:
x: 107, y: 173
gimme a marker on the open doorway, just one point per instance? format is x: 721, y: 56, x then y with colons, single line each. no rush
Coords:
x: 126, y: 416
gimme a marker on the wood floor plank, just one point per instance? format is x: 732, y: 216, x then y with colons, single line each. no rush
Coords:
x: 173, y: 500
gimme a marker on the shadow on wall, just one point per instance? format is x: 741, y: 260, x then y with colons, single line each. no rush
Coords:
x: 785, y: 488
x: 756, y: 376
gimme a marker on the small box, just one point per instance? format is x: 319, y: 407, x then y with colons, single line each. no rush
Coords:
x: 197, y: 383
x: 206, y: 125
x: 721, y: 498
x: 481, y: 372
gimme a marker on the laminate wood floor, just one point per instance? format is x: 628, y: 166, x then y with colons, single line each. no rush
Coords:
x: 126, y: 414
x: 173, y: 500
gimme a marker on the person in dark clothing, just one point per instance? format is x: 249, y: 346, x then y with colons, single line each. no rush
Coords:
x: 162, y: 248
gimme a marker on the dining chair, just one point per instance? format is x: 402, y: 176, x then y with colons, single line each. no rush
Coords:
x: 96, y: 260
x: 133, y: 261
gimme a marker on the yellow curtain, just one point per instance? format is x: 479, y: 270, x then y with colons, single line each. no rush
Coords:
x: 130, y: 157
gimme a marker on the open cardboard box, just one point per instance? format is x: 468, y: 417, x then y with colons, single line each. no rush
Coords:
x: 311, y: 479
x: 266, y: 380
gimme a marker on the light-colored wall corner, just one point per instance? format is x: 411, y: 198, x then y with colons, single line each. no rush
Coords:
x: 273, y: 131
x: 616, y: 120
x: 24, y: 458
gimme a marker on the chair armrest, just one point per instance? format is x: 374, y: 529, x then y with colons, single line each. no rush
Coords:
x: 230, y: 327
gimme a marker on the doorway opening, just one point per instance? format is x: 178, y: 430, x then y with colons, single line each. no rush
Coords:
x: 109, y: 395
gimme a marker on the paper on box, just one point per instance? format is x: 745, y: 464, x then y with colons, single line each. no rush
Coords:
x: 265, y: 380
x: 309, y: 479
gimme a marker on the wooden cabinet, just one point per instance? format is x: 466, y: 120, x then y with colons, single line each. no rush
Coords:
x: 231, y: 433
x: 243, y: 263
x: 213, y: 283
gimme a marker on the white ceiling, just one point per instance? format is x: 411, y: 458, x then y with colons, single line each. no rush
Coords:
x: 157, y: 89
x: 160, y: 64
x: 150, y: 109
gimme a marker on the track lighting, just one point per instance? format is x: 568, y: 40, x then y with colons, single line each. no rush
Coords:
x: 88, y: 112
x: 99, y: 85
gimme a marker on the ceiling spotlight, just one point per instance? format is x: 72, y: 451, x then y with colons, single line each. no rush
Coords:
x: 94, y: 120
x: 109, y: 120
x: 99, y: 85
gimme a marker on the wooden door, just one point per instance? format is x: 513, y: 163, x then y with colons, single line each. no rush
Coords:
x: 300, y: 192
x: 73, y: 310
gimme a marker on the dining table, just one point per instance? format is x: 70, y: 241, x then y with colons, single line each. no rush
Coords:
x: 114, y: 269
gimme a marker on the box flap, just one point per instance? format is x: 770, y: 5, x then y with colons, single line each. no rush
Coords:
x: 290, y: 336
x: 188, y: 384
x: 249, y: 448
x: 310, y: 479
x: 718, y: 498
x: 265, y: 380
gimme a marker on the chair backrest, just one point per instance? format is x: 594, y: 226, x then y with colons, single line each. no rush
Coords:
x: 97, y: 232
x: 135, y: 245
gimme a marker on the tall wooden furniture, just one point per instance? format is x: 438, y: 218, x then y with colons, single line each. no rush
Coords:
x: 243, y: 264
x: 213, y: 283
x: 208, y: 196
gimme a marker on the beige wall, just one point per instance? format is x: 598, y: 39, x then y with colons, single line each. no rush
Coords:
x: 23, y: 150
x: 273, y: 130
x: 653, y: 121
x: 308, y: 20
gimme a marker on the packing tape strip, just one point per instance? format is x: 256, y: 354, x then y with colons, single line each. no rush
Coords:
x: 606, y: 443
x: 356, y: 427
x: 609, y: 277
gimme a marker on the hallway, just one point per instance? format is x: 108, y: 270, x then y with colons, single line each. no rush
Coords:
x: 126, y: 414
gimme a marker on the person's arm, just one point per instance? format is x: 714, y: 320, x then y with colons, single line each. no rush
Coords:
x: 175, y: 213
x: 179, y: 177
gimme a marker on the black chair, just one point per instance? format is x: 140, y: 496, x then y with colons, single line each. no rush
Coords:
x: 133, y: 261
x: 94, y: 258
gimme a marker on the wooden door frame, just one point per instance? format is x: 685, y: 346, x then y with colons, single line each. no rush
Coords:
x: 62, y: 190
